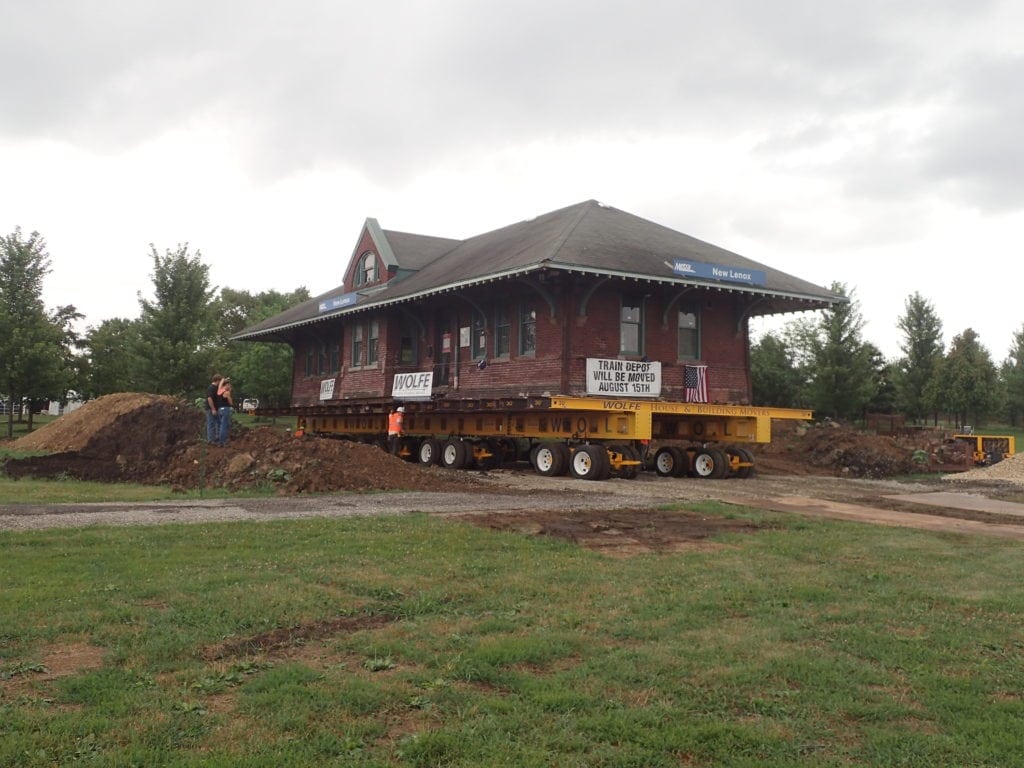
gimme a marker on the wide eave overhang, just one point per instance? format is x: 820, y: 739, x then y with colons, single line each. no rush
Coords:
x: 810, y: 302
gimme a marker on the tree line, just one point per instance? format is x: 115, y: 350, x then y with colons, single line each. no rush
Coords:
x: 182, y: 332
x: 179, y: 338
x: 824, y: 364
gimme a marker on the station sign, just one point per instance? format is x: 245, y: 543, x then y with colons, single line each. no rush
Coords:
x: 629, y: 378
x: 338, y: 302
x: 718, y: 272
x: 412, y: 386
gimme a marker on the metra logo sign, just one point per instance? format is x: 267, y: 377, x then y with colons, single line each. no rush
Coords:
x: 338, y: 302
x: 718, y: 272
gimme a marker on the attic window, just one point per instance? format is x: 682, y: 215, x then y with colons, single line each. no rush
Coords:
x: 367, y: 272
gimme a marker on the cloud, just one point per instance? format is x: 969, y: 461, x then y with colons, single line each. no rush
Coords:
x: 830, y: 140
x: 393, y: 87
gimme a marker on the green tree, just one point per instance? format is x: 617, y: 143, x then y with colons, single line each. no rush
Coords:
x: 258, y: 369
x: 775, y: 378
x: 843, y: 378
x: 967, y: 385
x: 113, y: 359
x: 922, y: 349
x: 177, y: 332
x: 32, y: 361
x: 65, y: 319
x: 1012, y: 375
x: 885, y: 373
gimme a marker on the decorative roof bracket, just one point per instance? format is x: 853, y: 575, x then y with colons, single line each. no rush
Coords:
x: 673, y: 300
x: 582, y: 312
x: 544, y: 292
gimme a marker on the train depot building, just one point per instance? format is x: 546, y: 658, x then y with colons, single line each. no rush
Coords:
x: 548, y: 325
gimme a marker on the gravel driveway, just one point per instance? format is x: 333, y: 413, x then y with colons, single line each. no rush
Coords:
x: 883, y: 502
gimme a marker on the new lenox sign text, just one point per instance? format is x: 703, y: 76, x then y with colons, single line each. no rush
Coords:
x: 338, y: 302
x: 716, y: 272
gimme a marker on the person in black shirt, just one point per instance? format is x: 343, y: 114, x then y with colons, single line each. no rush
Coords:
x: 213, y: 410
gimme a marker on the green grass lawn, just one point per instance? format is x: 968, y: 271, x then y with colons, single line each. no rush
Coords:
x: 415, y: 641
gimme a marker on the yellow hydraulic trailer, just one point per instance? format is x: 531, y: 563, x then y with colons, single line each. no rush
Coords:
x: 988, y: 449
x: 587, y: 436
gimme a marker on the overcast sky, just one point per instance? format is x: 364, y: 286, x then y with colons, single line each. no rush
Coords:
x: 875, y: 143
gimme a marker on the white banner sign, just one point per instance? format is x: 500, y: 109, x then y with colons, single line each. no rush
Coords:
x: 411, y: 385
x: 327, y: 389
x: 623, y: 377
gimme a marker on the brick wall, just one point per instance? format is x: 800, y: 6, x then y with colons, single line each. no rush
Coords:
x: 564, y: 342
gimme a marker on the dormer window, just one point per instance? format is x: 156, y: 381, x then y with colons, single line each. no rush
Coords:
x: 367, y: 272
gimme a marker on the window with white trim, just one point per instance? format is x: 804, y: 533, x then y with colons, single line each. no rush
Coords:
x: 367, y: 270
x: 527, y: 330
x: 408, y: 352
x: 502, y: 332
x: 631, y: 326
x: 478, y: 337
x: 357, y: 345
x: 373, y: 342
x: 689, y: 334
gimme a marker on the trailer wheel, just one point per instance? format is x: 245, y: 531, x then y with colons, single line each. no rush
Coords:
x: 454, y: 454
x: 429, y: 452
x: 551, y: 459
x: 710, y: 463
x: 722, y: 465
x: 589, y: 462
x: 490, y: 462
x: 630, y: 471
x: 670, y: 462
x: 746, y: 457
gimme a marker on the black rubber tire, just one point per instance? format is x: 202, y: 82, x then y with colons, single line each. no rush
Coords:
x: 454, y: 454
x: 564, y: 456
x: 533, y: 454
x: 589, y: 462
x: 722, y: 465
x: 429, y: 452
x: 494, y: 460
x: 549, y: 459
x: 669, y: 462
x: 708, y: 463
x: 747, y: 457
x: 629, y: 453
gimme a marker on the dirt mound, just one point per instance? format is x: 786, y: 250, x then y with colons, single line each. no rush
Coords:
x: 834, y: 448
x: 123, y: 423
x: 267, y: 457
x: 156, y: 439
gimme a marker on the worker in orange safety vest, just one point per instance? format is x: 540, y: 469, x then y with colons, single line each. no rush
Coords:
x: 395, y: 429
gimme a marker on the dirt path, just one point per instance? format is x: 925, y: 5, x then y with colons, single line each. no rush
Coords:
x: 548, y: 503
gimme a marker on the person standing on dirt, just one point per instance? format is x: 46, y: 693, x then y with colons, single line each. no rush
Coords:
x: 213, y: 410
x: 225, y: 407
x: 395, y: 419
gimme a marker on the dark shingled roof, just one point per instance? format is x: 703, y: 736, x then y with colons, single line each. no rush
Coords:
x: 588, y: 237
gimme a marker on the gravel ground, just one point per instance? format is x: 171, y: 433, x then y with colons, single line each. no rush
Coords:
x: 523, y: 491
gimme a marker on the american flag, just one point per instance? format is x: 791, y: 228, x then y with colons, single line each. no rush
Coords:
x: 695, y: 383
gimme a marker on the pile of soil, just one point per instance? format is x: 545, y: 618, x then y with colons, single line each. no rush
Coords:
x: 158, y: 440
x: 799, y: 448
x: 267, y: 457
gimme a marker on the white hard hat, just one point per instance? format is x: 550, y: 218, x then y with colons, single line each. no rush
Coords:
x: 401, y: 409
